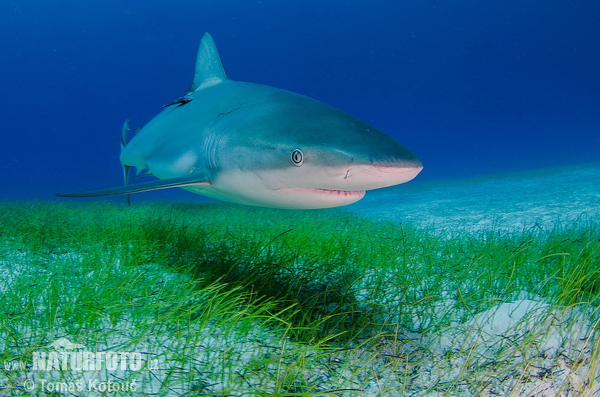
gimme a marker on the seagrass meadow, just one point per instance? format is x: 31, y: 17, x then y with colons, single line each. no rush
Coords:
x: 225, y: 300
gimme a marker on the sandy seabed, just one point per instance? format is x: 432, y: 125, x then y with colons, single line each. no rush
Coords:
x: 512, y: 201
x: 561, y: 359
x: 525, y: 347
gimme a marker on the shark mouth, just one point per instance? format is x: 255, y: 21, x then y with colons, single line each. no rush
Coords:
x: 319, y: 191
x: 320, y: 198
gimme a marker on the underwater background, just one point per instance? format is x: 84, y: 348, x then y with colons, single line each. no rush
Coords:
x: 472, y: 87
x: 479, y: 278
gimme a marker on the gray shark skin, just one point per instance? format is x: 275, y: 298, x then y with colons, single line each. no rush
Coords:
x: 258, y: 145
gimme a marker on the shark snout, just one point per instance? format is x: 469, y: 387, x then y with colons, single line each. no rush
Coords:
x: 368, y: 177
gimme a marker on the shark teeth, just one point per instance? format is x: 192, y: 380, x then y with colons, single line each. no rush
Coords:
x: 327, y: 191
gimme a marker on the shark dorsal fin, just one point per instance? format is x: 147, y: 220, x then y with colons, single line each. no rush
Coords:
x: 209, y: 69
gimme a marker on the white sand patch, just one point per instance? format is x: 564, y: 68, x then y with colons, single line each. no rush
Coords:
x: 533, y: 324
x: 523, y: 347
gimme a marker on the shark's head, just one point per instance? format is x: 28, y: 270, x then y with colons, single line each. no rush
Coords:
x: 326, y: 159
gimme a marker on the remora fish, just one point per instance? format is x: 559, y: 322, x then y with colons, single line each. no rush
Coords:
x: 258, y: 145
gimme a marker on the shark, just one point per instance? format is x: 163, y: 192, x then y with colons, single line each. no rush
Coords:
x: 258, y: 145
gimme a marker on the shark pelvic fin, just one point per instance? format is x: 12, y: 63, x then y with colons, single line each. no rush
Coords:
x: 197, y: 178
x: 209, y: 69
x: 124, y: 140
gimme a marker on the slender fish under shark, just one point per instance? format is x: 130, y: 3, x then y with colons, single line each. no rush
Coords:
x: 258, y: 145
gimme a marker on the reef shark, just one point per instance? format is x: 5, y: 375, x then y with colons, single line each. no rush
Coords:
x: 258, y: 145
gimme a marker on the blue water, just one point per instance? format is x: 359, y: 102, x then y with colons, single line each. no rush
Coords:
x: 472, y: 87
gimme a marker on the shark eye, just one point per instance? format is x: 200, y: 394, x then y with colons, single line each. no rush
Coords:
x: 297, y: 157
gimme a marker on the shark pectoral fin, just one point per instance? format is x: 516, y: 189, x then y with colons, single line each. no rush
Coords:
x: 126, y: 169
x: 197, y: 178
